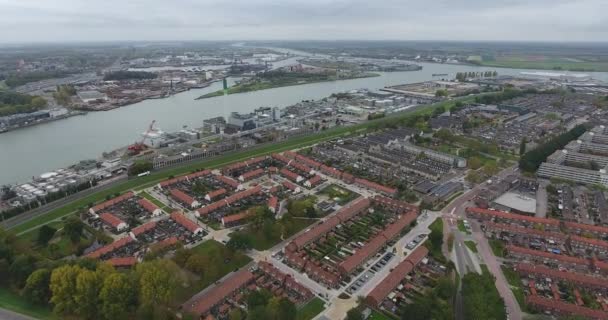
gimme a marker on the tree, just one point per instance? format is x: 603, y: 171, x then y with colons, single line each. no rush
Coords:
x: 522, y: 146
x: 421, y: 309
x: 140, y: 167
x: 287, y: 310
x: 354, y: 314
x: 239, y: 241
x: 63, y: 289
x: 258, y: 298
x: 441, y: 93
x: 490, y: 168
x: 118, y: 295
x: 45, y: 234
x: 21, y: 268
x: 4, y: 271
x: 444, y: 134
x: 88, y: 285
x: 474, y: 163
x: 72, y: 228
x: 36, y: 288
x: 197, y: 263
x: 236, y: 314
x: 158, y: 281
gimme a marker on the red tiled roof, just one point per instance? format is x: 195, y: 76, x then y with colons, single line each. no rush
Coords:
x: 302, y: 167
x: 589, y: 241
x: 114, y: 201
x: 289, y: 185
x: 181, y: 196
x: 144, y: 228
x: 273, y: 202
x: 395, y: 277
x: 512, y: 216
x: 184, y: 222
x: 289, y: 174
x: 345, y: 213
x: 218, y: 294
x: 148, y: 205
x: 586, y: 227
x: 252, y: 174
x: 111, y: 219
x: 216, y: 193
x: 110, y: 247
x: 165, y: 243
x: 566, y: 308
x: 237, y: 217
x: 563, y: 275
x: 315, y: 180
x: 398, y: 205
x: 244, y: 164
x: 547, y: 255
x: 122, y: 262
x: 280, y: 158
x: 522, y: 230
x: 229, y: 200
x: 351, y: 263
x: 228, y: 181
x: 331, y: 171
x: 175, y: 180
x: 376, y: 186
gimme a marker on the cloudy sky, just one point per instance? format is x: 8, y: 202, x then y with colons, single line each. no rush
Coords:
x: 107, y: 20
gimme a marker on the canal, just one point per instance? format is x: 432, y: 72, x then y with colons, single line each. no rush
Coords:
x: 37, y: 149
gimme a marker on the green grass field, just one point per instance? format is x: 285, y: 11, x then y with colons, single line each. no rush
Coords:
x: 14, y: 302
x: 310, y: 309
x: 155, y: 201
x: 471, y: 245
x: 261, y: 239
x: 516, y: 286
x: 498, y: 247
x: 462, y: 228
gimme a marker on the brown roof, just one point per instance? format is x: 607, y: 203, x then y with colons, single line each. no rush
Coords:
x: 110, y: 247
x: 589, y: 241
x: 376, y: 186
x: 184, y: 222
x: 523, y: 230
x: 111, y: 219
x: 586, y: 227
x: 217, y: 193
x: 122, y: 262
x: 181, y: 196
x: 229, y: 200
x: 237, y: 217
x: 395, y: 277
x: 252, y: 174
x: 564, y: 275
x: 218, y: 293
x: 345, y: 213
x: 148, y: 205
x: 228, y: 181
x: 289, y: 174
x: 114, y: 201
x: 351, y: 263
x: 567, y: 308
x: 512, y: 216
x: 143, y: 228
x: 547, y: 255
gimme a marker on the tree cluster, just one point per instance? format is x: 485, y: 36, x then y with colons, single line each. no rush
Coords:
x: 140, y: 167
x: 20, y: 79
x: 481, y: 298
x: 13, y: 103
x: 531, y: 160
x: 261, y: 305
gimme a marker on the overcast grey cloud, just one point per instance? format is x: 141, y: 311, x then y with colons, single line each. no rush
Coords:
x: 108, y: 20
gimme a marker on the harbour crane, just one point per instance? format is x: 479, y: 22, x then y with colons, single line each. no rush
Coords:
x: 138, y: 147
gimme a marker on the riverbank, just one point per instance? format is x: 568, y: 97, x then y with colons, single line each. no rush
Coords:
x: 41, y: 121
x: 265, y: 85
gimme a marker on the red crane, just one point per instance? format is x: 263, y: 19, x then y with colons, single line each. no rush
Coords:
x: 138, y: 147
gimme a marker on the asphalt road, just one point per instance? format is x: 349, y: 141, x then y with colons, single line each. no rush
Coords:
x: 9, y: 315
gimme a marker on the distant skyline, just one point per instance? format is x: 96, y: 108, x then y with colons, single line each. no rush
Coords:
x: 31, y: 21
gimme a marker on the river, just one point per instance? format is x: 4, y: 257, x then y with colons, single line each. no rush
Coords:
x: 37, y: 149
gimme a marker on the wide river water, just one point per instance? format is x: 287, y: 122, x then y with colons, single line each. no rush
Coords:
x: 31, y: 151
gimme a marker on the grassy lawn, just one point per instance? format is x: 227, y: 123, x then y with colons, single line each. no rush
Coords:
x: 155, y: 201
x: 218, y: 255
x: 15, y: 303
x: 462, y: 228
x: 342, y: 195
x: 471, y: 245
x: 154, y: 178
x: 311, y: 309
x: 516, y: 286
x: 498, y: 247
x: 267, y: 237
